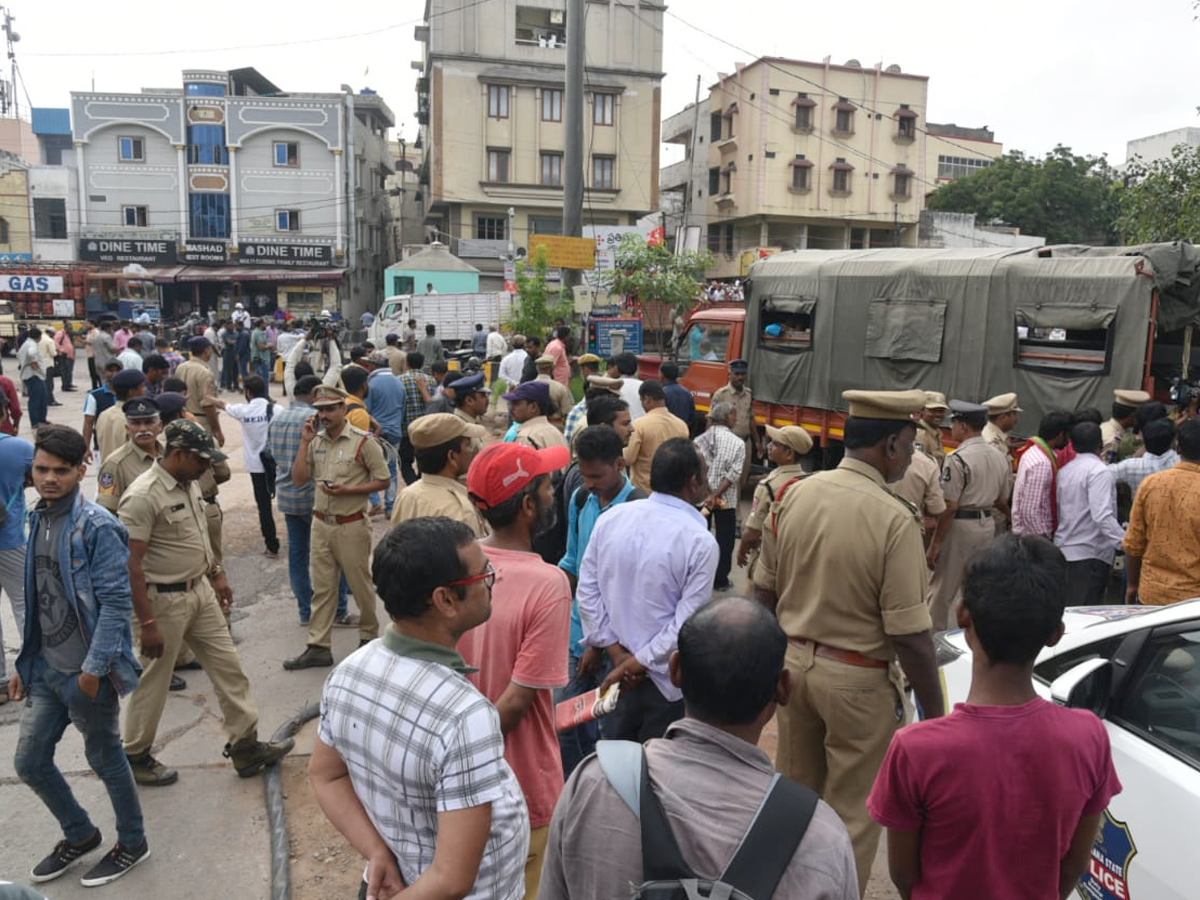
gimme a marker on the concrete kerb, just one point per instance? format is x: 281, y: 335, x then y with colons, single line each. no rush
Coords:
x: 281, y: 879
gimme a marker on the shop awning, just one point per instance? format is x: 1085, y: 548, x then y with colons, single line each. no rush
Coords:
x: 164, y: 274
x: 279, y: 275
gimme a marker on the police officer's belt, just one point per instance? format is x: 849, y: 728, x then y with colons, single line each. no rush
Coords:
x: 338, y: 520
x: 849, y: 657
x: 177, y: 587
x: 972, y: 513
x: 212, y: 499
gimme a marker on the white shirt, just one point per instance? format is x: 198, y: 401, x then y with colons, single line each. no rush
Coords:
x: 1087, y: 510
x: 29, y: 358
x: 496, y: 345
x: 286, y: 341
x: 629, y: 393
x: 511, y: 366
x: 240, y: 315
x: 130, y: 358
x: 637, y: 587
x: 253, y: 416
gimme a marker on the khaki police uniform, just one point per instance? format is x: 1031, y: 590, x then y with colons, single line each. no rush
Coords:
x: 765, y: 495
x: 922, y: 486
x: 200, y: 391
x: 929, y: 442
x: 169, y: 517
x: 848, y: 569
x: 397, y: 361
x: 998, y: 439
x: 119, y: 471
x: 1112, y: 433
x: 561, y: 399
x: 341, y: 533
x: 110, y: 430
x: 470, y: 420
x: 539, y: 434
x: 743, y: 402
x: 975, y: 476
x: 436, y: 495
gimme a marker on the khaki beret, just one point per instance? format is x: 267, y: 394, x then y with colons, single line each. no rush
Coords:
x: 1131, y: 398
x: 439, y: 428
x: 326, y: 395
x: 884, y: 404
x: 544, y: 360
x: 791, y: 436
x: 590, y: 359
x: 935, y: 400
x: 603, y: 381
x: 1002, y: 403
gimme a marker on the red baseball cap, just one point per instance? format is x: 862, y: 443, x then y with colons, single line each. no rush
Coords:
x: 500, y: 471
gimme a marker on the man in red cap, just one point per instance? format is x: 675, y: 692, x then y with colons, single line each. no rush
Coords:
x: 521, y: 651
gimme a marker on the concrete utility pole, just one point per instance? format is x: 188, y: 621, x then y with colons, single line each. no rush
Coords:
x: 573, y: 101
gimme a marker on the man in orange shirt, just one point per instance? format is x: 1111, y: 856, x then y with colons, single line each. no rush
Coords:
x: 559, y: 349
x: 1162, y: 543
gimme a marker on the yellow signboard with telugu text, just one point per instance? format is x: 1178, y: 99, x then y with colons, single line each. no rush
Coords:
x: 565, y: 252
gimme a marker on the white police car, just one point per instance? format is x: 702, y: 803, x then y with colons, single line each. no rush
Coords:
x: 1138, y: 667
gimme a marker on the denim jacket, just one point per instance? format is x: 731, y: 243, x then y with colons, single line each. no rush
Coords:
x: 94, y: 560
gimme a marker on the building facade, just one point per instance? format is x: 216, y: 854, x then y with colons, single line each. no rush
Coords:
x: 786, y: 154
x: 491, y: 106
x: 1159, y: 146
x: 230, y: 189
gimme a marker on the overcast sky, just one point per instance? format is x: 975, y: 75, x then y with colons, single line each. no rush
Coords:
x: 1090, y: 74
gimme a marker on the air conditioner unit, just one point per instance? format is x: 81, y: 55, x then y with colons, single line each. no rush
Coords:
x: 557, y: 16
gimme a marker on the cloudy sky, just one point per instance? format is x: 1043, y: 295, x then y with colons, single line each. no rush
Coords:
x: 1090, y: 74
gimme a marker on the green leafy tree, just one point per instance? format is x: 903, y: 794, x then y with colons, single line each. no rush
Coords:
x: 666, y: 284
x: 537, y: 303
x: 1160, y: 200
x: 1066, y: 198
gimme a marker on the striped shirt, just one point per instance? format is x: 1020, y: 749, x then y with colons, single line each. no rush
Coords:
x: 283, y: 440
x: 414, y: 406
x: 576, y: 421
x: 419, y: 739
x: 1136, y: 469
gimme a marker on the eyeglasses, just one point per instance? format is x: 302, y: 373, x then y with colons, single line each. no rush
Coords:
x: 487, y: 576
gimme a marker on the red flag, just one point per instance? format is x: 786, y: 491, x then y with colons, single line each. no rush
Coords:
x: 657, y: 237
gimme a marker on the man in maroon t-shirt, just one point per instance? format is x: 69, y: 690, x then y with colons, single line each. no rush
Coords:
x: 1007, y: 776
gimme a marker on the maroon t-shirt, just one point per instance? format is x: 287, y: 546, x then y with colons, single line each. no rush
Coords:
x: 997, y: 792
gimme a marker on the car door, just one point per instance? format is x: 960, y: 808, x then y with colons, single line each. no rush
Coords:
x: 1146, y: 846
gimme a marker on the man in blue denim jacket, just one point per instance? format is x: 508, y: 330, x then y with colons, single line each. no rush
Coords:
x: 77, y: 658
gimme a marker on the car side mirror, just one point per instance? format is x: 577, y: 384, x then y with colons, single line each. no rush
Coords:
x: 1085, y: 686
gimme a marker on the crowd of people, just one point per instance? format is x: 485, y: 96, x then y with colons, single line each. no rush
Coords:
x: 583, y: 548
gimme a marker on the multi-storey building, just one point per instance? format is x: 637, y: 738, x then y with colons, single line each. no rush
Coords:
x: 789, y: 154
x: 230, y: 189
x: 491, y: 105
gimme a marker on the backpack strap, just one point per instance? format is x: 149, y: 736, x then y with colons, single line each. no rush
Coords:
x: 769, y: 844
x: 662, y: 859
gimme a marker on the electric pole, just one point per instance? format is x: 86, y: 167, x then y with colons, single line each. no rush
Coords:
x: 573, y: 114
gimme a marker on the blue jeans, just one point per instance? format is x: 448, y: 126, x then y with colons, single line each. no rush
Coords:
x: 36, y: 388
x: 54, y: 700
x: 579, y: 742
x: 299, y: 535
x: 262, y: 368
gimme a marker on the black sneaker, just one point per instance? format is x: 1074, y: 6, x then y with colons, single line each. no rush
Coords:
x: 64, y: 855
x: 116, y: 863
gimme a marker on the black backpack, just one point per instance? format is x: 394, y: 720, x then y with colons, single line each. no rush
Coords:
x: 270, y: 466
x: 762, y: 857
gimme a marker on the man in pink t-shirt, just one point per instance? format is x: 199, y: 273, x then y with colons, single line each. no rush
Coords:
x: 521, y: 651
x: 558, y: 349
x: 1003, y: 797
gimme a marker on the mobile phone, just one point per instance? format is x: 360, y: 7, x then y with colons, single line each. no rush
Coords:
x: 327, y: 483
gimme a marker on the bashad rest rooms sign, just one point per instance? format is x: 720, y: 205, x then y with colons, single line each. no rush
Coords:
x: 293, y: 256
x: 123, y: 251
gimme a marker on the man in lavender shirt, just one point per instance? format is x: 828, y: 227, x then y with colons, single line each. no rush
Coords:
x: 1088, y: 532
x: 647, y: 568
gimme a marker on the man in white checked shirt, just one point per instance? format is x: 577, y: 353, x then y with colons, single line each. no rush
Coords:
x: 725, y: 454
x: 409, y: 759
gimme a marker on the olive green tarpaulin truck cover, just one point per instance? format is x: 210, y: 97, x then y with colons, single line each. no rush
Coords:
x: 1063, y: 326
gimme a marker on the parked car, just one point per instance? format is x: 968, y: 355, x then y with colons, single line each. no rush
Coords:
x: 1138, y: 667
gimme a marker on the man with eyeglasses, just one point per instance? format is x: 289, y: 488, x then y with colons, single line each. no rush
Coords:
x: 522, y: 650
x: 412, y: 770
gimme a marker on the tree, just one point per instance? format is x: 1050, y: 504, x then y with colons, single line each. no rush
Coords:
x: 537, y: 304
x: 1068, y: 199
x: 1160, y: 200
x: 666, y: 284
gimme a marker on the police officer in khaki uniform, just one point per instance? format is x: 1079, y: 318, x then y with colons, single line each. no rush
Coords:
x: 930, y: 439
x: 922, y: 487
x: 785, y: 446
x: 201, y: 389
x: 174, y: 406
x: 1124, y: 417
x: 561, y: 400
x: 173, y: 571
x: 739, y: 396
x: 348, y: 465
x: 1003, y: 412
x: 471, y: 399
x: 121, y: 468
x: 110, y: 424
x: 847, y: 581
x: 975, y: 478
x: 530, y: 405
x: 445, y: 446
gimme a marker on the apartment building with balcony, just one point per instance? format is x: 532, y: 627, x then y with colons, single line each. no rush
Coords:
x: 788, y: 154
x: 230, y: 189
x: 491, y: 104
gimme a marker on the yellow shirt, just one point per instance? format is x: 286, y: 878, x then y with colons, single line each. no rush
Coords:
x: 649, y: 433
x: 169, y: 517
x: 352, y: 458
x: 1164, y: 526
x: 435, y: 495
x: 848, y: 563
x: 357, y: 415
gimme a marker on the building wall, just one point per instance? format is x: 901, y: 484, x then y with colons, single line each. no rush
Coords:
x: 1159, y: 146
x: 56, y: 182
x: 14, y: 209
x: 17, y: 138
x: 954, y: 155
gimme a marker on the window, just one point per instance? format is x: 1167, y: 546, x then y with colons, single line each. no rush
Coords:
x: 131, y: 149
x: 714, y: 181
x: 603, y: 169
x: 1161, y: 702
x: 287, y: 153
x: 727, y: 121
x: 552, y: 169
x: 1047, y: 671
x: 208, y: 215
x: 960, y: 166
x: 4, y: 231
x: 50, y: 218
x: 906, y: 125
x: 497, y: 101
x: 491, y: 228
x: 715, y: 124
x: 498, y: 165
x: 206, y: 145
x: 541, y: 27
x: 134, y: 216
x: 843, y: 122
x: 841, y: 176
x: 804, y: 107
x: 551, y: 105
x: 545, y: 225
x: 905, y: 328
x: 287, y: 220
x: 204, y: 90
x: 604, y: 108
x: 703, y: 342
x: 1064, y: 339
x: 901, y: 184
x: 786, y: 323
x: 800, y: 177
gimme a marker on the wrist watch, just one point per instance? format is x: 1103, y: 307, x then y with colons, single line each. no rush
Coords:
x: 216, y: 571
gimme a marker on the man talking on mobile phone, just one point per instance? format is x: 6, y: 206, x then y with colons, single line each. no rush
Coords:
x: 347, y: 465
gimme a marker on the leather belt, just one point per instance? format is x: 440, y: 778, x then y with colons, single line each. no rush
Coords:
x: 849, y: 657
x: 212, y: 499
x: 972, y: 513
x: 338, y: 520
x: 177, y: 587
